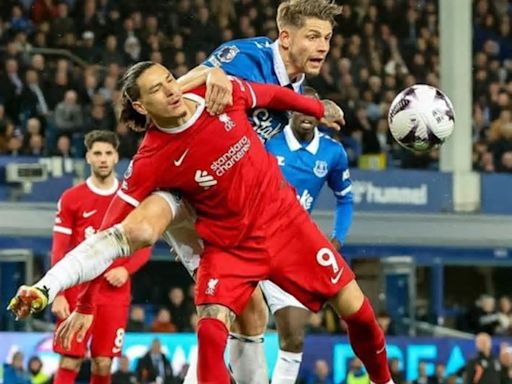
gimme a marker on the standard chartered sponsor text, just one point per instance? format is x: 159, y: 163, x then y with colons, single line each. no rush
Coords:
x: 231, y: 156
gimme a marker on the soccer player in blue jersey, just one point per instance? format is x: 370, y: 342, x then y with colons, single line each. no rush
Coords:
x: 308, y: 160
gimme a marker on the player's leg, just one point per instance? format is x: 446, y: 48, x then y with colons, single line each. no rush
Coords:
x: 107, y: 340
x: 291, y: 318
x: 225, y: 283
x: 70, y: 361
x: 246, y: 353
x: 366, y: 336
x: 68, y: 369
x: 314, y: 272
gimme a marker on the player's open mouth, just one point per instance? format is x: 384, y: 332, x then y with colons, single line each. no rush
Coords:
x: 174, y: 103
x: 317, y: 61
x: 307, y: 124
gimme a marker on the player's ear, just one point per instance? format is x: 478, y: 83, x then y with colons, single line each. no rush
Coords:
x: 137, y: 105
x: 284, y: 38
x: 88, y: 157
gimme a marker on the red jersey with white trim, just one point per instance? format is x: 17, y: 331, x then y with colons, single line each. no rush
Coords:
x: 81, y: 210
x: 219, y: 164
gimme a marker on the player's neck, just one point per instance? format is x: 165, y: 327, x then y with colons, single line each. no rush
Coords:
x: 175, y: 122
x: 103, y: 183
x: 306, y: 137
x: 292, y: 71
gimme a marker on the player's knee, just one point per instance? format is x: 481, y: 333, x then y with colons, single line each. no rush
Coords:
x: 292, y: 342
x: 140, y: 233
x: 101, y: 365
x: 70, y: 362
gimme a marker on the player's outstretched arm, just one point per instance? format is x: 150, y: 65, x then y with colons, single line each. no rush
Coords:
x: 219, y: 90
x: 284, y: 99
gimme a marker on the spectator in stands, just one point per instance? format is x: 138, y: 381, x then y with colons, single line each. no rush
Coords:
x: 34, y: 146
x: 56, y: 92
x: 136, y: 320
x: 484, y: 317
x: 439, y: 376
x: 35, y: 368
x: 154, y: 366
x: 501, y: 145
x: 505, y: 313
x: 14, y: 372
x: 68, y: 114
x: 12, y: 87
x: 124, y: 375
x: 63, y: 148
x: 506, y: 363
x: 44, y: 10
x: 396, y: 373
x: 484, y: 368
x: 385, y: 323
x: 111, y: 52
x: 127, y: 141
x: 506, y: 162
x: 356, y: 373
x: 422, y: 374
x: 61, y: 24
x: 18, y: 21
x: 33, y: 99
x: 87, y: 50
x: 321, y: 373
x: 163, y: 322
x: 179, y: 308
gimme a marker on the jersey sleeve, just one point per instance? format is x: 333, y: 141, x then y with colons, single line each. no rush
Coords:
x: 275, y: 97
x: 340, y: 183
x: 62, y: 228
x: 236, y: 58
x: 139, y: 181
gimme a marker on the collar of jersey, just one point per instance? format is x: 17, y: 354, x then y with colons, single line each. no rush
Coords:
x: 200, y: 108
x: 102, y: 192
x: 280, y: 69
x: 294, y: 144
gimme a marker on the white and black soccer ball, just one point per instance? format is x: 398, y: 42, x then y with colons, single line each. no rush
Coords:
x: 421, y: 118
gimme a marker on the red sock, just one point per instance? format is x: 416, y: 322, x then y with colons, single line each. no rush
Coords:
x: 368, y: 343
x: 64, y: 376
x: 212, y: 336
x: 98, y: 379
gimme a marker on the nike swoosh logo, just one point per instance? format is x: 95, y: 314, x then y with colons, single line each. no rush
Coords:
x: 116, y: 350
x: 381, y: 350
x: 180, y: 160
x: 336, y: 278
x: 89, y: 214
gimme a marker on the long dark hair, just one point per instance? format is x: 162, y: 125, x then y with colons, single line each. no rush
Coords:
x: 130, y: 93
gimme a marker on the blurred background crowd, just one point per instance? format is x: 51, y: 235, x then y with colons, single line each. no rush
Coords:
x: 62, y: 61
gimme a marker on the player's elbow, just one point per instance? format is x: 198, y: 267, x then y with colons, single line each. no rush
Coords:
x: 140, y: 233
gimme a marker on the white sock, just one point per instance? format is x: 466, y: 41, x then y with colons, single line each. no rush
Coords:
x: 287, y: 367
x: 86, y: 261
x: 191, y: 376
x: 247, y: 359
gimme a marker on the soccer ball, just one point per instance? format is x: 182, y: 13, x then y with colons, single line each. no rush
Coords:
x: 421, y: 118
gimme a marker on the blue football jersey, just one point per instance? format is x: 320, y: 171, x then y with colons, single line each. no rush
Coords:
x: 257, y: 59
x: 308, y: 167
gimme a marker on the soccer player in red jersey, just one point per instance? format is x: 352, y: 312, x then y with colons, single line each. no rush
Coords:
x: 251, y: 223
x: 80, y: 212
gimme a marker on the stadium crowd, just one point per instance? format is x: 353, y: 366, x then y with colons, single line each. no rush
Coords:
x: 48, y: 100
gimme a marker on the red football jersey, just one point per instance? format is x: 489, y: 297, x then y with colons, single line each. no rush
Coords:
x: 219, y: 164
x: 81, y: 210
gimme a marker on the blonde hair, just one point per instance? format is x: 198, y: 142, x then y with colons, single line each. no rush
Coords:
x: 294, y: 12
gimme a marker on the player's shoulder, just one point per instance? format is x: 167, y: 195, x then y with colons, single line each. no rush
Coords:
x: 332, y: 146
x: 276, y: 141
x: 75, y: 191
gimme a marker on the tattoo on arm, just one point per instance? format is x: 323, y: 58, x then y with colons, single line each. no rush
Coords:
x: 331, y: 111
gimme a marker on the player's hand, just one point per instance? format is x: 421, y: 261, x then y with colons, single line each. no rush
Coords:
x: 60, y: 307
x: 333, y: 115
x: 117, y: 276
x: 28, y: 300
x: 219, y: 91
x: 77, y: 325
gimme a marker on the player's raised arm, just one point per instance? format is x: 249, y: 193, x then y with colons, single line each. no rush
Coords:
x: 284, y: 99
x: 219, y: 90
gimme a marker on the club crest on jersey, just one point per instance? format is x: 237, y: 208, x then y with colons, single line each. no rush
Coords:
x: 227, y: 54
x: 320, y: 169
x: 228, y: 123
